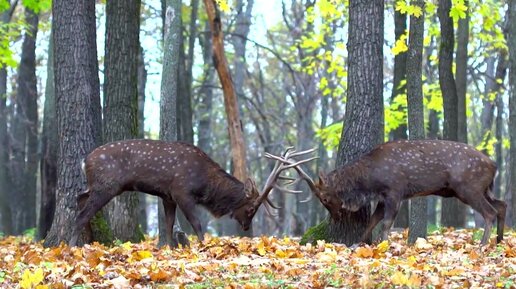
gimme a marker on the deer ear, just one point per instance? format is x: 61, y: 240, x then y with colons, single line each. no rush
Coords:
x: 249, y: 188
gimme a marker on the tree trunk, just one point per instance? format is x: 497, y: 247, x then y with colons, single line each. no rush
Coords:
x: 363, y: 121
x: 25, y: 132
x: 400, y: 74
x: 453, y: 213
x: 511, y: 43
x: 206, y: 94
x: 78, y: 106
x: 5, y: 180
x: 416, y: 118
x: 121, y: 103
x: 230, y: 100
x: 142, y: 82
x: 169, y: 88
x: 48, y: 165
x: 462, y: 76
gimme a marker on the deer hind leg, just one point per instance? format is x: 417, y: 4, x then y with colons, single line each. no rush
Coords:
x: 375, y: 219
x: 187, y: 206
x: 481, y: 205
x: 89, y: 205
x: 501, y: 208
x: 170, y: 217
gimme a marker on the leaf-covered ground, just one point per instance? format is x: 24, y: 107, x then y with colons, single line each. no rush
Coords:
x: 448, y: 260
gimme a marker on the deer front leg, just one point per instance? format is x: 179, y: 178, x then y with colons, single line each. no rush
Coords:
x: 187, y: 206
x: 170, y: 217
x: 375, y: 219
x: 391, y: 208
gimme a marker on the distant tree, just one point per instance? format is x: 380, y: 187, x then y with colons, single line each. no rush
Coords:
x: 121, y: 102
x: 78, y: 106
x: 511, y: 43
x: 48, y: 161
x: 453, y: 213
x: 462, y: 75
x: 416, y: 123
x: 363, y: 121
x: 5, y: 180
x: 24, y: 130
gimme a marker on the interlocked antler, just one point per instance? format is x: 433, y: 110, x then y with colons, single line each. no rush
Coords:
x: 287, y: 161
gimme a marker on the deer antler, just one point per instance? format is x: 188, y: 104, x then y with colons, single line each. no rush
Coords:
x: 286, y: 161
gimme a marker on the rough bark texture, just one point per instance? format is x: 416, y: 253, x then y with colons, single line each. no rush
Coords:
x: 6, y: 225
x: 511, y: 42
x: 462, y: 76
x: 238, y: 152
x: 25, y: 132
x: 121, y: 103
x: 363, y: 121
x: 453, y: 213
x: 169, y: 87
x: 78, y: 106
x: 400, y: 74
x: 416, y: 123
x: 48, y: 164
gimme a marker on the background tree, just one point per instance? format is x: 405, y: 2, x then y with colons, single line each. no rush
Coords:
x: 363, y: 121
x: 511, y: 43
x: 452, y: 213
x: 416, y: 123
x: 78, y: 106
x: 48, y: 161
x: 121, y: 102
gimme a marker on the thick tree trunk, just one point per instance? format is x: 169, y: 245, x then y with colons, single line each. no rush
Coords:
x: 453, y: 212
x: 416, y: 118
x: 121, y: 103
x: 230, y: 100
x: 78, y: 106
x: 363, y: 121
x: 25, y: 132
x: 48, y: 165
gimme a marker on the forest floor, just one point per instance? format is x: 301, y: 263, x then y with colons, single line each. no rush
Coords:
x: 448, y: 259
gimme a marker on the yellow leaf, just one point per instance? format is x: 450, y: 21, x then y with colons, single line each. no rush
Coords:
x: 223, y: 5
x: 383, y: 246
x: 30, y: 280
x: 261, y: 249
x: 454, y: 272
x: 364, y: 252
x: 414, y: 281
x: 127, y: 245
x: 398, y: 278
x: 280, y: 253
x: 144, y: 255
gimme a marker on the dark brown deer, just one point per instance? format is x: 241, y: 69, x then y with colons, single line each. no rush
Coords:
x: 180, y: 174
x: 400, y: 170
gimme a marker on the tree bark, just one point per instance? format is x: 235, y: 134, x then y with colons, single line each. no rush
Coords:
x: 363, y: 121
x: 511, y: 43
x: 25, y: 132
x: 462, y: 76
x: 5, y: 180
x: 78, y: 106
x: 48, y: 165
x: 453, y: 213
x: 206, y: 94
x: 400, y: 74
x: 121, y: 103
x: 230, y: 100
x: 416, y: 123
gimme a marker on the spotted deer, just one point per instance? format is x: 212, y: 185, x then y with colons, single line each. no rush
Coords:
x: 181, y: 174
x: 403, y: 169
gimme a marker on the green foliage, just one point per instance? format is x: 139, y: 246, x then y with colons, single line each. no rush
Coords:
x: 410, y: 10
x: 315, y: 233
x: 487, y: 144
x: 396, y: 112
x: 100, y: 230
x: 38, y: 5
x: 4, y: 5
x: 330, y: 135
x: 8, y: 33
x: 458, y: 10
x: 30, y: 233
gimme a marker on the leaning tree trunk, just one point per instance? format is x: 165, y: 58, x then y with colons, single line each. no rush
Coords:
x: 25, y: 131
x: 121, y: 103
x: 453, y: 213
x: 230, y: 100
x: 48, y: 164
x: 78, y: 106
x: 416, y: 118
x: 511, y: 43
x: 363, y: 121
